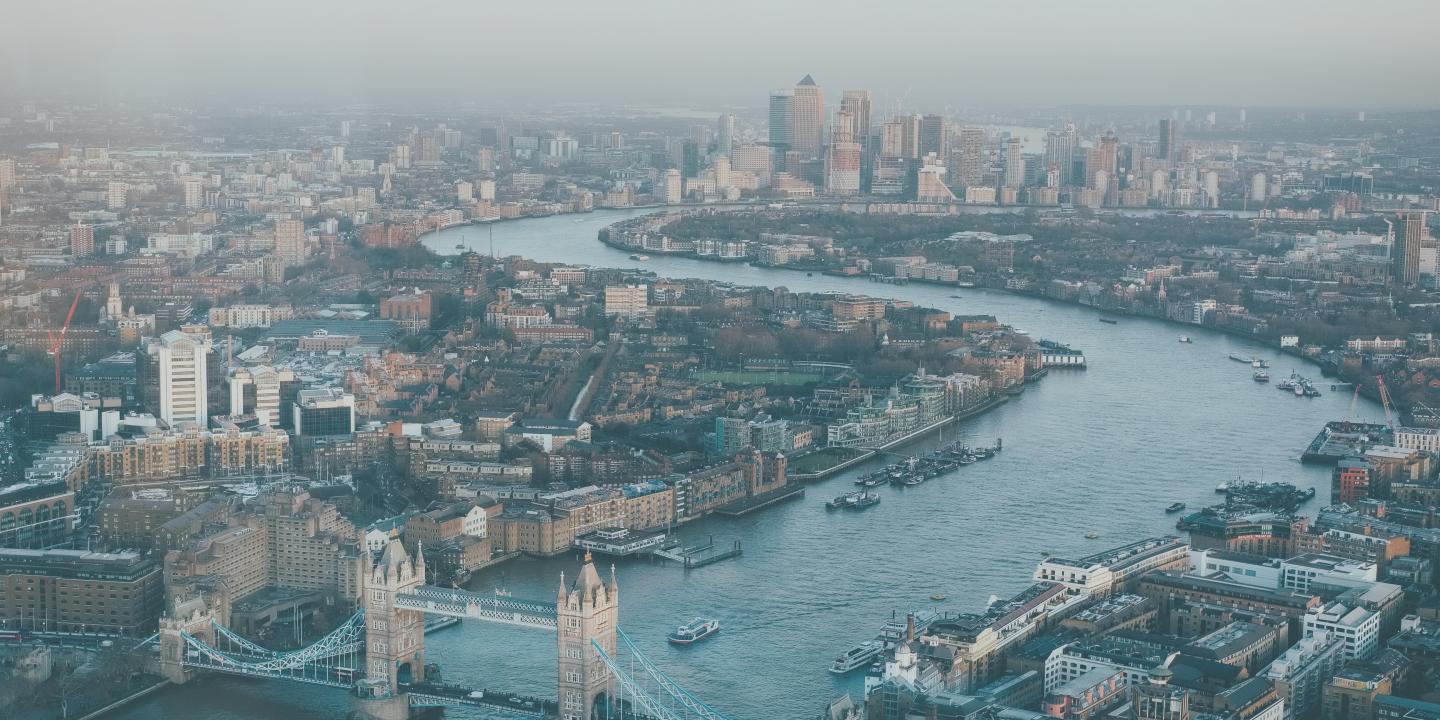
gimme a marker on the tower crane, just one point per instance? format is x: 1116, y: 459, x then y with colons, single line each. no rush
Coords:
x: 57, y: 341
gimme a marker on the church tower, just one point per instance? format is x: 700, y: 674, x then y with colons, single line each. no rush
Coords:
x: 588, y: 611
x: 394, y: 638
x: 113, y: 311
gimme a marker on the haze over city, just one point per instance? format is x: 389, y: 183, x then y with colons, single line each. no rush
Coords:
x: 934, y: 55
x: 743, y: 360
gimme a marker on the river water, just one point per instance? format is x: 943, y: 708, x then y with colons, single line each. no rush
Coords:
x: 1153, y: 421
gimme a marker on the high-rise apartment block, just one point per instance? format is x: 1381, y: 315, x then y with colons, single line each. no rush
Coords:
x: 1406, y: 253
x: 290, y: 245
x: 82, y: 240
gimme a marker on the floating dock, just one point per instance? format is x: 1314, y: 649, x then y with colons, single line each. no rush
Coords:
x: 699, y: 555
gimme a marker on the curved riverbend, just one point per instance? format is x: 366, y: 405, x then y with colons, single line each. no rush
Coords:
x: 1153, y: 421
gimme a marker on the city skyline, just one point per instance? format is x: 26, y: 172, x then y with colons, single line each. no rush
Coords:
x: 903, y: 361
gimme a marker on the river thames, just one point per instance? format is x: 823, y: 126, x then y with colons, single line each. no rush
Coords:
x: 1153, y: 421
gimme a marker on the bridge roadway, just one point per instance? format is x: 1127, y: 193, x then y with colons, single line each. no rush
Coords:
x: 502, y: 703
x: 490, y: 608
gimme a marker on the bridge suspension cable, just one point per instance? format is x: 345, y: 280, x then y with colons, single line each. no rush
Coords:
x: 669, y: 701
x: 331, y: 660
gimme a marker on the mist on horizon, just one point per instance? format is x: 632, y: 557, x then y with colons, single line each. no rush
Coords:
x: 926, y: 55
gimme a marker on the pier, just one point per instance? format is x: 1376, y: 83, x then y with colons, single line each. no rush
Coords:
x: 697, y: 556
x: 1341, y: 439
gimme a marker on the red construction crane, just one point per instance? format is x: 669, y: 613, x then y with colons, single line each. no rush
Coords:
x: 57, y: 341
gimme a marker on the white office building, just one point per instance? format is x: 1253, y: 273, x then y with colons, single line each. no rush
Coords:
x: 180, y: 368
x: 1358, y: 627
x: 1302, y: 571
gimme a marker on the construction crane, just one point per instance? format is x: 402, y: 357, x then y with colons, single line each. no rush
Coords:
x: 57, y: 341
x: 1385, y: 401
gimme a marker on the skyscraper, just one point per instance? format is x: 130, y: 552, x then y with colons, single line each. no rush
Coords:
x: 910, y: 135
x: 180, y: 367
x: 842, y: 129
x: 934, y: 136
x: 1109, y: 153
x: 1166, y: 149
x: 857, y: 103
x: 1406, y: 254
x: 1014, y: 163
x: 842, y: 162
x: 782, y: 124
x: 725, y: 134
x: 1060, y: 152
x: 809, y: 118
x: 892, y: 140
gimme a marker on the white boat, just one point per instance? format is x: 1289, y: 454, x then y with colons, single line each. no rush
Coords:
x: 1223, y: 487
x: 694, y: 631
x: 1261, y: 376
x: 1186, y: 339
x: 894, y: 630
x: 856, y: 657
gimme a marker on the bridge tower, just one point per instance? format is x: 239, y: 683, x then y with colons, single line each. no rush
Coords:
x: 394, y: 638
x: 588, y: 610
x: 191, y: 614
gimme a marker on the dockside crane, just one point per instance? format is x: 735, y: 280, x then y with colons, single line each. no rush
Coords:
x: 58, y: 341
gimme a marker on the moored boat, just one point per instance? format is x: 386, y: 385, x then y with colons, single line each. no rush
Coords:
x: 1261, y: 376
x: 857, y: 657
x: 863, y: 500
x: 694, y: 631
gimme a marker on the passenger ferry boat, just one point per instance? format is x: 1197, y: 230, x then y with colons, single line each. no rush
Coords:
x: 694, y: 631
x: 857, y: 657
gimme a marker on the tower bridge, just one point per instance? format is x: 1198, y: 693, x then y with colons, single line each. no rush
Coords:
x: 379, y: 652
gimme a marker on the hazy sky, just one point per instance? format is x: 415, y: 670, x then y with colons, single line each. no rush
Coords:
x: 943, y: 53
